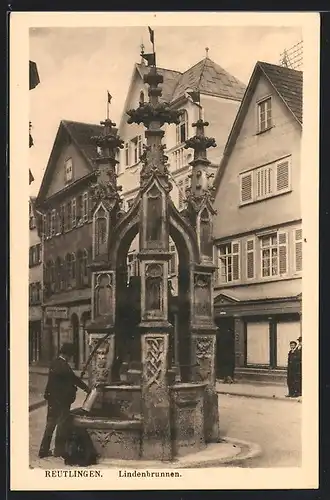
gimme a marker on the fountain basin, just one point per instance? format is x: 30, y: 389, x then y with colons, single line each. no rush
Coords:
x: 115, y: 421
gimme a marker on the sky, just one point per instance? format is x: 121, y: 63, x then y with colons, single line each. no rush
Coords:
x: 78, y: 65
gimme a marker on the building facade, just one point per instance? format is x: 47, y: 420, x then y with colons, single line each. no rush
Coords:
x: 35, y: 288
x: 65, y: 202
x: 258, y: 231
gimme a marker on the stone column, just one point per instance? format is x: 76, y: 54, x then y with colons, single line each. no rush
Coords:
x: 157, y: 444
x: 203, y: 360
x: 203, y: 347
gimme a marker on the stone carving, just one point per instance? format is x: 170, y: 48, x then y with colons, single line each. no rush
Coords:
x: 154, y: 360
x: 204, y: 357
x: 103, y: 294
x: 102, y: 360
x: 104, y: 437
x: 204, y: 347
x: 202, y: 295
x: 154, y: 273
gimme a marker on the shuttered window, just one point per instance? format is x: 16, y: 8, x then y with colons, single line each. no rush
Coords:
x: 298, y: 250
x: 283, y: 253
x: 265, y: 182
x: 246, y: 187
x: 250, y: 259
x: 282, y: 175
x: 53, y: 223
x: 229, y: 262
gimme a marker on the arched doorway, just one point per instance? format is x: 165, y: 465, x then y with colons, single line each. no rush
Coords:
x: 75, y: 339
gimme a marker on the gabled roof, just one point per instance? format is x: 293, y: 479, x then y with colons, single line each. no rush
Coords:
x: 206, y: 76
x: 211, y: 79
x: 288, y: 85
x: 80, y: 134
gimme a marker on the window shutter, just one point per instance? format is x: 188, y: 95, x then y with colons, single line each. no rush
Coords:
x: 250, y: 259
x: 298, y: 250
x: 283, y: 253
x: 235, y: 250
x: 246, y: 187
x: 282, y: 175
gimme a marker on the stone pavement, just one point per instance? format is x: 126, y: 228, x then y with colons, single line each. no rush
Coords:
x: 229, y: 451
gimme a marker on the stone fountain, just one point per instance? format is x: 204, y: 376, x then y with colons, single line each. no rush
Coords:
x: 154, y: 394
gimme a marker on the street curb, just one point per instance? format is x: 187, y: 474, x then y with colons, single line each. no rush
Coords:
x: 259, y: 396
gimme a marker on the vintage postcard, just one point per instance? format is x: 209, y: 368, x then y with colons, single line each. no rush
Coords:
x: 164, y: 250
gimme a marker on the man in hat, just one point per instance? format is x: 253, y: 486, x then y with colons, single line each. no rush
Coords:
x: 60, y: 393
x: 299, y: 367
x: 292, y: 370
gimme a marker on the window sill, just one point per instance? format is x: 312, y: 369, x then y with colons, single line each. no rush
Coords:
x: 244, y: 204
x: 266, y: 130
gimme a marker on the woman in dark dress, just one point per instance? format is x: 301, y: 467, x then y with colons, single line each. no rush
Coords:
x: 292, y: 370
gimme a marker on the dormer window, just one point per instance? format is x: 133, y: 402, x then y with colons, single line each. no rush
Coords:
x: 182, y: 128
x: 264, y: 114
x: 68, y: 170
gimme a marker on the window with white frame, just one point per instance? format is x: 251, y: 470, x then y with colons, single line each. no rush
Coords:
x: 173, y: 261
x: 298, y: 250
x: 73, y: 212
x: 53, y: 223
x: 126, y: 153
x: 266, y: 181
x: 229, y: 262
x: 68, y: 170
x: 250, y: 259
x: 265, y: 114
x: 136, y: 149
x: 182, y: 128
x: 274, y: 254
x: 132, y: 265
x: 84, y: 207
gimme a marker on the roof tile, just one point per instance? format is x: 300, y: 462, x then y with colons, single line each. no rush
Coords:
x: 82, y: 133
x: 289, y: 84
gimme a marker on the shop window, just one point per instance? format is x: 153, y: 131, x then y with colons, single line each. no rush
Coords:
x: 257, y: 344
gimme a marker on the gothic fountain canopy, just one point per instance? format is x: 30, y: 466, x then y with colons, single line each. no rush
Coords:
x: 149, y: 366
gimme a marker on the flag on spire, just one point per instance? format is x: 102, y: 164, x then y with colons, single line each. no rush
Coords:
x: 31, y: 178
x: 109, y: 97
x: 152, y: 35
